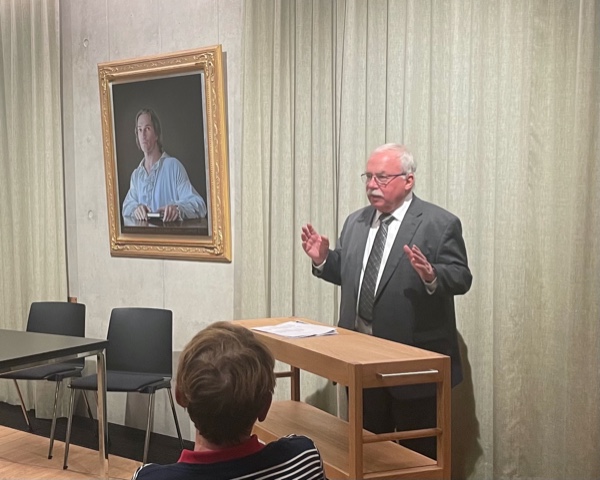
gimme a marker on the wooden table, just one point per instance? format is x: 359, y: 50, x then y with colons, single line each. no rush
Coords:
x: 357, y: 361
x: 20, y: 350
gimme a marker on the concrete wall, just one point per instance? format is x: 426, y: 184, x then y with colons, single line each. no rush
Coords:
x: 198, y: 293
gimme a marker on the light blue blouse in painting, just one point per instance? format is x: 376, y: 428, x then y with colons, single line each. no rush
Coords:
x: 166, y: 184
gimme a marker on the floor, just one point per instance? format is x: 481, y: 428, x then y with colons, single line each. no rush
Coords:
x: 25, y: 456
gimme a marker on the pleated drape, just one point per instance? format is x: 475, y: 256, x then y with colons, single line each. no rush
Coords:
x: 500, y: 104
x: 32, y: 221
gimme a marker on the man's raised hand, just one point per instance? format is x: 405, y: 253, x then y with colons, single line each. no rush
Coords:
x: 316, y: 246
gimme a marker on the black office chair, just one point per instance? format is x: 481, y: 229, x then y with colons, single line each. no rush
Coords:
x: 61, y: 318
x: 139, y: 358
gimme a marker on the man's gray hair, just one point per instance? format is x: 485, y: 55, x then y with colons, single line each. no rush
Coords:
x: 401, y: 152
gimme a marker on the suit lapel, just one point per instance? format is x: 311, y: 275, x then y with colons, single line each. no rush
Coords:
x: 357, y: 249
x: 410, y: 223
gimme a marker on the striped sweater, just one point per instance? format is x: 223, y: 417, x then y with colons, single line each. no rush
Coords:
x: 289, y: 458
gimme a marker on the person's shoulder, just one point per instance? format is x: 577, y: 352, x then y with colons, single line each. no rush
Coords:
x: 140, y: 167
x: 300, y: 440
x: 362, y: 213
x: 302, y: 452
x: 147, y: 471
x: 154, y: 471
x: 293, y: 443
x: 296, y: 452
x: 433, y: 210
x: 169, y: 160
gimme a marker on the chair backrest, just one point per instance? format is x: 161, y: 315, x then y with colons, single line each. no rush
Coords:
x: 140, y: 340
x: 59, y: 318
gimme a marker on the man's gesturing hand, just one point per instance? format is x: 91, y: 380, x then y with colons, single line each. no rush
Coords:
x: 420, y: 263
x: 316, y: 246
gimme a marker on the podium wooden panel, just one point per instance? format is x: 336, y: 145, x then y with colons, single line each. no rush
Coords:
x: 357, y: 361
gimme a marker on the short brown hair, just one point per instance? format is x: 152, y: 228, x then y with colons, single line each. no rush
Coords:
x: 225, y: 379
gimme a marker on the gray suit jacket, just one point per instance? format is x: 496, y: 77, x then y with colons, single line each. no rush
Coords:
x: 403, y: 310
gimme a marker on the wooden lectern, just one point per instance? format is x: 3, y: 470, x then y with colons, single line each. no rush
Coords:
x: 357, y: 361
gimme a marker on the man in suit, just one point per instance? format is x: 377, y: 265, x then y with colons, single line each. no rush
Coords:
x: 397, y: 284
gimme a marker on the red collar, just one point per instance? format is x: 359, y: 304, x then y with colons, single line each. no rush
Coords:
x: 252, y: 445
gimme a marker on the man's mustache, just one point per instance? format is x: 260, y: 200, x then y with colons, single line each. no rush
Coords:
x: 374, y: 193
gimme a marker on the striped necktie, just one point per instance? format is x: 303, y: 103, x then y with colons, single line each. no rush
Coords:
x: 367, y: 289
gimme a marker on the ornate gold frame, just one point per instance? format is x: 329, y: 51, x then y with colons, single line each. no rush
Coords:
x: 216, y: 245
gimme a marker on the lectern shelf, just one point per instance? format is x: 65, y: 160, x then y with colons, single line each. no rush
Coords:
x: 357, y: 361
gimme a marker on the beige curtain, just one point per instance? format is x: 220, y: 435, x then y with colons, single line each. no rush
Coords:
x: 500, y: 104
x: 32, y: 238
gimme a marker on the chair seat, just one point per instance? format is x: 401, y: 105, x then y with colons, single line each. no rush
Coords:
x: 139, y: 358
x: 54, y: 372
x: 123, y: 382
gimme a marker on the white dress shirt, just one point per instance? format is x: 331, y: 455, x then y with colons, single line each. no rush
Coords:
x: 394, y: 226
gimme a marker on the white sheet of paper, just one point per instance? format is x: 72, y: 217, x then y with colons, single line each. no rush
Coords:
x: 296, y: 329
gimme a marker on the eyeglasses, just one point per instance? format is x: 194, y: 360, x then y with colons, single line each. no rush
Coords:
x: 381, y: 180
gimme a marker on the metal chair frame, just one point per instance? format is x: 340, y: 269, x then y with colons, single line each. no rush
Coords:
x: 62, y: 318
x: 139, y: 358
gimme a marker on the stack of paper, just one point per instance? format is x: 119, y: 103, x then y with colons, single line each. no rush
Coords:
x: 296, y: 329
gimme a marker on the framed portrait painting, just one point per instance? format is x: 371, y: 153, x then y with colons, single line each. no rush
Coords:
x: 165, y: 156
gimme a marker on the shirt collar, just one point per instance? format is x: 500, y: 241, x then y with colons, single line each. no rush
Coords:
x: 250, y: 446
x: 399, y: 213
x: 158, y: 162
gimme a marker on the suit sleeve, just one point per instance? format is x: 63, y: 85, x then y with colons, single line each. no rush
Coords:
x: 332, y: 270
x: 450, y: 263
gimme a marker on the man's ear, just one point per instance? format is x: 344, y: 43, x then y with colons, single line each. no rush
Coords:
x: 265, y: 409
x: 410, y: 181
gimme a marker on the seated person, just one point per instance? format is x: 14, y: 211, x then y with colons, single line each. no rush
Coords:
x: 225, y: 380
x: 160, y: 183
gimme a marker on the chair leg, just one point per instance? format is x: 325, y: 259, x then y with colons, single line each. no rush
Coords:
x: 23, y: 409
x: 175, y: 417
x: 53, y: 427
x: 97, y: 424
x: 68, y: 437
x: 148, y: 428
x: 87, y: 404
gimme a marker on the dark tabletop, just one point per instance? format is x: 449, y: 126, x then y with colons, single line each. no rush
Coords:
x: 20, y: 349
